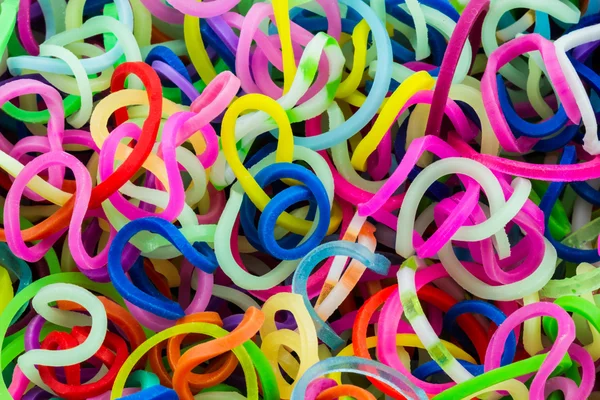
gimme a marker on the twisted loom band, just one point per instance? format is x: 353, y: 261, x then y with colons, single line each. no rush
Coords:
x: 284, y: 153
x: 415, y: 150
x: 563, y: 11
x: 357, y: 251
x: 489, y: 89
x: 360, y: 366
x: 312, y: 190
x: 161, y: 307
x: 87, y: 390
x: 193, y: 327
x: 225, y: 229
x: 394, y: 107
x: 119, y: 316
x: 84, y: 351
x: 253, y: 319
x: 217, y: 372
x: 501, y: 211
x: 552, y: 173
x: 176, y: 200
x: 61, y: 218
x: 24, y: 296
x: 82, y: 193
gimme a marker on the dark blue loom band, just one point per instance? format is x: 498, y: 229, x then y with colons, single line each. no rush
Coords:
x: 312, y: 188
x: 317, y: 24
x: 247, y: 215
x: 550, y: 197
x: 214, y: 41
x: 470, y: 307
x: 586, y: 192
x: 571, y: 133
x: 140, y: 280
x: 442, y: 6
x: 166, y: 55
x: 489, y: 311
x: 94, y: 7
x: 159, y: 306
x: 431, y: 368
x: 276, y: 207
x: 248, y: 209
x: 525, y: 128
x: 156, y: 392
x: 587, y: 74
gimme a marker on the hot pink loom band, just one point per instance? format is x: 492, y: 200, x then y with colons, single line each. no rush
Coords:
x: 566, y: 335
x: 19, y: 384
x: 24, y: 27
x: 211, y: 140
x: 489, y: 89
x: 56, y: 123
x: 41, y: 144
x: 176, y: 194
x: 343, y: 188
x: 379, y: 166
x: 387, y: 327
x: 163, y: 12
x: 464, y: 206
x: 205, y: 9
x: 493, y: 267
x: 588, y: 370
x: 563, y: 384
x: 12, y: 209
x: 413, y: 153
x: 473, y: 12
x: 544, y: 172
x: 213, y: 100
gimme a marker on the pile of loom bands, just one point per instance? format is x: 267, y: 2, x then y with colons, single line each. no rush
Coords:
x: 305, y: 200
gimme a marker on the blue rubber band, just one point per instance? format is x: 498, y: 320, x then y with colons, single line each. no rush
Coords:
x: 159, y: 306
x: 550, y: 197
